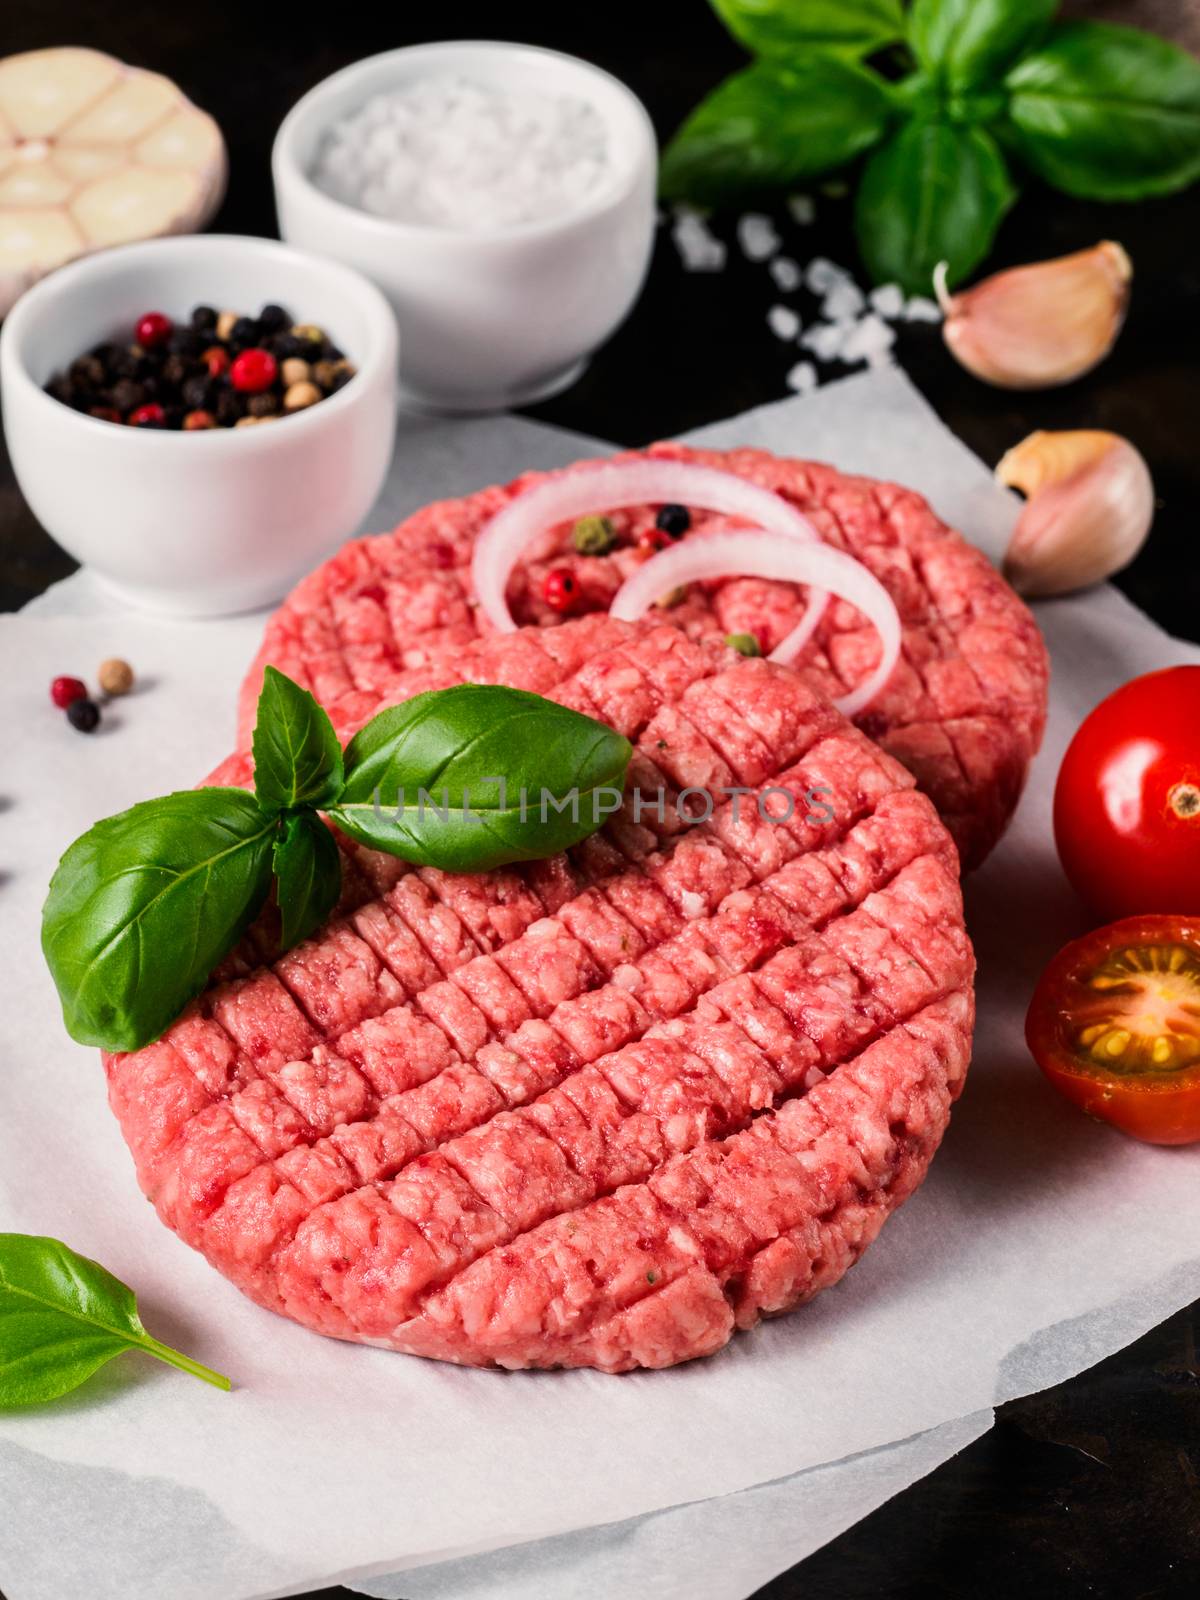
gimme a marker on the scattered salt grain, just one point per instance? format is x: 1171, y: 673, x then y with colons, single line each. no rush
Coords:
x: 821, y: 274
x: 802, y: 209
x: 844, y: 300
x: 783, y: 322
x: 921, y: 309
x: 786, y: 273
x: 699, y: 249
x: 447, y: 152
x: 825, y: 340
x: 802, y: 379
x: 888, y: 300
x: 757, y: 236
x: 870, y: 340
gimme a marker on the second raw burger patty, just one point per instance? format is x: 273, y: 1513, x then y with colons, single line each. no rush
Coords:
x: 964, y: 710
x: 600, y: 1110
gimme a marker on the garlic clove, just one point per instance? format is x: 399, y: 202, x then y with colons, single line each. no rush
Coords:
x: 1089, y: 506
x: 1037, y: 326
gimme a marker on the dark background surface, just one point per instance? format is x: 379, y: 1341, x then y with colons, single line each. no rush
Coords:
x: 1092, y: 1488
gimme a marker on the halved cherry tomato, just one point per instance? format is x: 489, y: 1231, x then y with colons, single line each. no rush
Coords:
x: 1115, y: 1025
x: 1127, y: 804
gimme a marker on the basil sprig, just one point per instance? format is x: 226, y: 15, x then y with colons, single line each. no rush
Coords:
x: 1097, y: 110
x: 147, y: 903
x: 62, y: 1316
x: 477, y: 776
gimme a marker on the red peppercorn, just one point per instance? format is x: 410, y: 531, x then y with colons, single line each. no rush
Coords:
x: 147, y: 416
x: 216, y: 360
x: 64, y: 691
x: 560, y: 589
x: 656, y: 539
x: 198, y: 419
x: 253, y: 371
x: 153, y: 329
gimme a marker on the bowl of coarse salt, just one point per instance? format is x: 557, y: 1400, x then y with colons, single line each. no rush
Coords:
x: 501, y: 196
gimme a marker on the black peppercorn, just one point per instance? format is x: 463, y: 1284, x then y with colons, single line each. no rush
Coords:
x: 272, y: 318
x: 197, y: 392
x: 186, y: 342
x: 262, y: 405
x: 127, y: 395
x: 204, y: 319
x: 244, y: 332
x: 673, y: 520
x: 174, y: 370
x: 88, y: 372
x: 83, y: 714
x: 229, y: 408
x: 288, y: 345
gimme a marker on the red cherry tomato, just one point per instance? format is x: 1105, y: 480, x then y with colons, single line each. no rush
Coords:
x: 1127, y: 805
x: 153, y: 329
x: 253, y: 371
x: 1115, y: 1025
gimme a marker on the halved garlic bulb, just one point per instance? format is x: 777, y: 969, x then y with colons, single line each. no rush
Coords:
x: 1089, y: 506
x: 95, y: 153
x: 1037, y: 326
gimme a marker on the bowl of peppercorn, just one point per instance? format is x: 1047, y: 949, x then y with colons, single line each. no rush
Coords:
x: 199, y: 420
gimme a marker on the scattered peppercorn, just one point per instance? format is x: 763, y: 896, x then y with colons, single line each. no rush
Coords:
x: 213, y: 370
x: 672, y: 598
x: 674, y: 520
x: 593, y: 536
x: 153, y: 329
x: 115, y: 676
x: 560, y: 589
x: 744, y: 643
x: 65, y: 691
x: 83, y: 714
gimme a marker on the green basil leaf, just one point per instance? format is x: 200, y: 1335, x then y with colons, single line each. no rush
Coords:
x: 297, y: 757
x: 774, y: 124
x: 934, y: 192
x: 144, y: 906
x: 965, y: 43
x: 785, y: 27
x: 62, y: 1316
x: 479, y: 776
x: 1107, y: 112
x: 308, y: 873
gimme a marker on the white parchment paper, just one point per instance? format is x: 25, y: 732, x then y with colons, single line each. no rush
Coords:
x: 1040, y: 1242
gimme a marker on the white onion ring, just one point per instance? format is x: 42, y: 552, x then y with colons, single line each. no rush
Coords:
x: 748, y: 553
x: 612, y: 486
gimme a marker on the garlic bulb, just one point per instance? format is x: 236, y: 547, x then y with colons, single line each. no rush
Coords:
x: 1037, y: 326
x: 1089, y: 506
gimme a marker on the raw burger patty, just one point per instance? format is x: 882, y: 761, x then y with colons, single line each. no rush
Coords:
x: 964, y: 711
x: 601, y: 1110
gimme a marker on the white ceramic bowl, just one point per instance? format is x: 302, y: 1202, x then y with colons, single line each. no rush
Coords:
x: 497, y: 318
x: 205, y: 523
